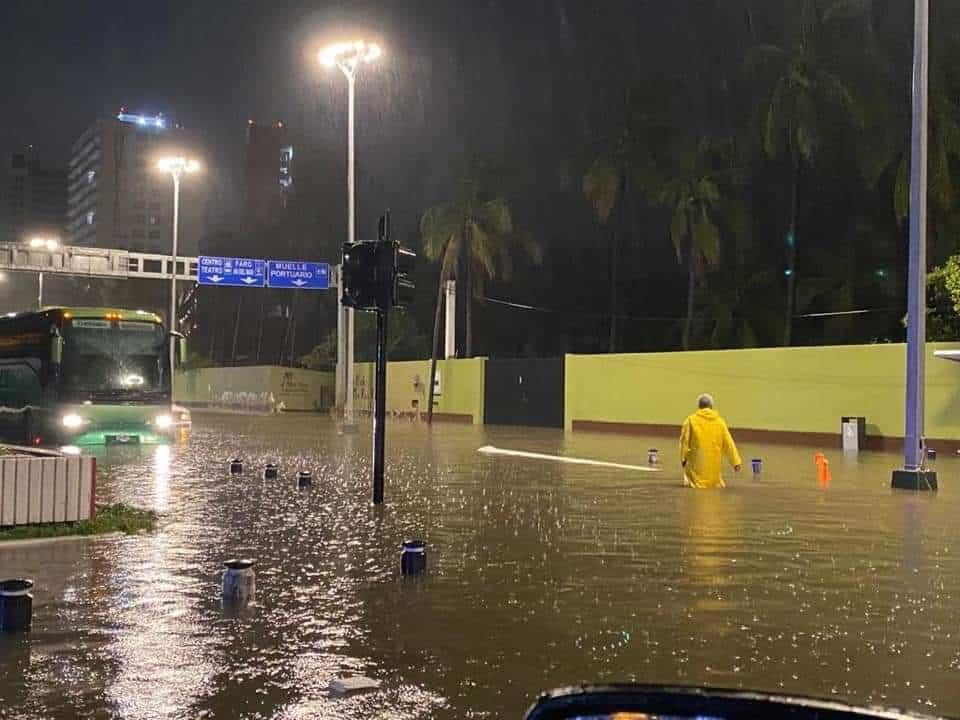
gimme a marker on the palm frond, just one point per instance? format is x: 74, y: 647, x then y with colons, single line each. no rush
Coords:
x: 706, y: 239
x: 940, y: 182
x: 437, y: 226
x: 481, y: 250
x: 601, y: 186
x: 806, y: 134
x: 763, y: 57
x: 847, y: 10
x: 494, y: 215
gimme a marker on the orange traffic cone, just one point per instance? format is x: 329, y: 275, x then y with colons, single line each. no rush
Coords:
x: 823, y: 470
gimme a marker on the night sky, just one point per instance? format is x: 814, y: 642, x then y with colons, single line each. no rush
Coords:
x: 535, y: 83
x: 459, y: 76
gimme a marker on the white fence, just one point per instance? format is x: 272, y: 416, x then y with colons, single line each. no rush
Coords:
x: 46, y: 488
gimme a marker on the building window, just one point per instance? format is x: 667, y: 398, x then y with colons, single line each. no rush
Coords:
x: 90, y: 216
x: 91, y: 174
x: 154, y: 234
x: 153, y: 220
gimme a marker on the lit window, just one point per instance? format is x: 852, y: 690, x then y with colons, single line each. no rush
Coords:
x: 153, y: 219
x: 90, y: 216
x: 91, y: 174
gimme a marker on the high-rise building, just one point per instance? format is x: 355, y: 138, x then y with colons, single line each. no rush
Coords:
x: 116, y: 196
x: 268, y: 178
x: 33, y: 198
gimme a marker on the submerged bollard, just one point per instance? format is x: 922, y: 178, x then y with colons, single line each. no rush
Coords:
x: 16, y: 605
x: 304, y: 479
x: 413, y: 558
x: 931, y: 454
x: 236, y: 466
x: 239, y: 582
x: 653, y: 456
x: 757, y: 465
x: 271, y: 472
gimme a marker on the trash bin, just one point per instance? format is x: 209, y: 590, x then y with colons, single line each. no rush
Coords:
x: 853, y: 433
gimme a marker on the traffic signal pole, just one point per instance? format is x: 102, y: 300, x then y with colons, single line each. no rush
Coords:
x: 380, y: 409
x: 377, y: 276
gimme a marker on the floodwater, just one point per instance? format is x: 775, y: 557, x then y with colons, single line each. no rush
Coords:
x: 540, y: 575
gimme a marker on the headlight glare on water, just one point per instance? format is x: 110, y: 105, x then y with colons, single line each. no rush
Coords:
x: 163, y: 422
x: 72, y: 421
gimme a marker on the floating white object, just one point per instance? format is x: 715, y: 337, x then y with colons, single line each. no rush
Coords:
x: 490, y: 450
x: 357, y: 683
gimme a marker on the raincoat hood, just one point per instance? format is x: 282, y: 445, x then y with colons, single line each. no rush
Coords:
x: 708, y: 414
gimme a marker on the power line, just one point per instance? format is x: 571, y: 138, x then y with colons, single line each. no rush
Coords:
x: 619, y: 316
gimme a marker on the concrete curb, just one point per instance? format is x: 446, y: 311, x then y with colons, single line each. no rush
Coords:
x: 28, y: 542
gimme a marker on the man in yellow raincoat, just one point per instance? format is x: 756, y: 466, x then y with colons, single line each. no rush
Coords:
x: 704, y: 441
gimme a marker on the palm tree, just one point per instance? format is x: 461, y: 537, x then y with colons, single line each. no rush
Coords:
x: 630, y: 165
x: 692, y: 197
x: 801, y: 90
x: 473, y: 238
x: 603, y: 186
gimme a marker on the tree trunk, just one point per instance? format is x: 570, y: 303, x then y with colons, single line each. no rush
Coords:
x: 614, y: 264
x: 468, y: 293
x: 791, y: 258
x: 436, y: 336
x: 260, y: 328
x: 236, y: 332
x: 691, y: 286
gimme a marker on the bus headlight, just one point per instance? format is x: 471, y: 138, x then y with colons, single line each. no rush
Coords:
x: 72, y: 421
x: 163, y: 422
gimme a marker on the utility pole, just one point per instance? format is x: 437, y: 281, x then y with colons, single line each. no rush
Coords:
x: 914, y: 475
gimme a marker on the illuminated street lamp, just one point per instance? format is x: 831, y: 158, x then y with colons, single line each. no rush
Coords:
x: 348, y: 56
x: 177, y: 166
x: 42, y: 244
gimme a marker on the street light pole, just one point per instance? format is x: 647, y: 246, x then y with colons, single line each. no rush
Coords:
x: 348, y: 57
x: 177, y: 174
x: 351, y: 232
x: 176, y: 167
x: 914, y: 476
x: 43, y: 244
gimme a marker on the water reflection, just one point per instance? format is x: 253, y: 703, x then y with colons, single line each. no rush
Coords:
x: 539, y: 575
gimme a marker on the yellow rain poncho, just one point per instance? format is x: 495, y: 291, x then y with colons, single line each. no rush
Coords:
x: 704, y: 441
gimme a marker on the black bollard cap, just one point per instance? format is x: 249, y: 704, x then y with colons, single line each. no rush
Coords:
x: 15, y: 586
x: 414, y: 545
x: 241, y: 564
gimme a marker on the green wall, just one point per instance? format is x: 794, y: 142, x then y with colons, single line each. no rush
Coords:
x: 786, y: 389
x: 256, y: 387
x: 461, y: 387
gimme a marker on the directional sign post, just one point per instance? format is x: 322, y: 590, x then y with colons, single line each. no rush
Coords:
x: 231, y: 272
x: 298, y: 275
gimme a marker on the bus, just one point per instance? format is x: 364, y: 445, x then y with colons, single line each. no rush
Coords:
x: 72, y: 376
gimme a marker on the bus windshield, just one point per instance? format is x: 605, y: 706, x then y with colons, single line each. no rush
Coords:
x: 114, y: 358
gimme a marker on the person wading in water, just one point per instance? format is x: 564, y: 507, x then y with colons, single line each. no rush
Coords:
x: 704, y: 441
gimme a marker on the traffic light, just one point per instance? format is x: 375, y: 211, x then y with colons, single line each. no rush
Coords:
x: 377, y: 275
x: 359, y: 274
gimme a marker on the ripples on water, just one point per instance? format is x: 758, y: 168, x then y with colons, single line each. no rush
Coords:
x: 540, y: 575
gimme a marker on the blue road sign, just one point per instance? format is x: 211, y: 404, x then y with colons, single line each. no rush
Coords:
x: 297, y: 274
x: 231, y: 272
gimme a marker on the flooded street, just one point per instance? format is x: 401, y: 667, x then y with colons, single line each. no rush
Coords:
x: 540, y: 574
